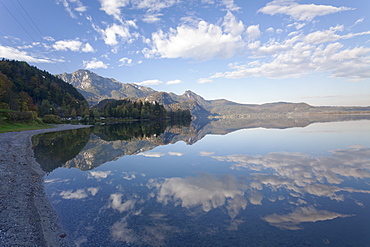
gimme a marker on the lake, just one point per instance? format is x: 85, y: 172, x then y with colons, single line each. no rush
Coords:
x: 219, y: 183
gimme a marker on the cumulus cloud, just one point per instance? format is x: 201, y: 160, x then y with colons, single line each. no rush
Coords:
x: 204, y: 80
x: 94, y: 64
x: 72, y: 45
x: 115, y: 202
x: 230, y: 5
x: 206, y: 191
x: 302, y: 174
x: 125, y: 61
x: 176, y: 153
x: 79, y: 194
x: 177, y: 81
x: 201, y: 42
x: 117, y: 33
x: 299, y: 12
x: 99, y: 174
x: 152, y: 154
x: 253, y: 32
x: 113, y: 7
x: 300, y: 55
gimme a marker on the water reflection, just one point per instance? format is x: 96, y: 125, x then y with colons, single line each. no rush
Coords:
x: 147, y: 193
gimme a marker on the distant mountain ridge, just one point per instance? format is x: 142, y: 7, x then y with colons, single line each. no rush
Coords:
x: 96, y: 88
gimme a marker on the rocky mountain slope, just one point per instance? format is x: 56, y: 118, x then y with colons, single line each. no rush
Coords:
x: 96, y: 88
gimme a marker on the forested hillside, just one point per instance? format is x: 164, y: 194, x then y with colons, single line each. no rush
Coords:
x: 26, y: 88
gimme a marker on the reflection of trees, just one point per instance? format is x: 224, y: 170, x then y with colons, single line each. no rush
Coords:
x: 54, y: 149
x: 77, y: 148
x: 128, y: 131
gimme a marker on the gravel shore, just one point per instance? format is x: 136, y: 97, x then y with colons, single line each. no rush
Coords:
x: 26, y: 216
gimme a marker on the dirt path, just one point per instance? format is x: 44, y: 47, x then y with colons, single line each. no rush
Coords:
x: 26, y: 215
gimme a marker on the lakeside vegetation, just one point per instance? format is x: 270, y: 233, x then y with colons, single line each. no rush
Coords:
x: 31, y: 98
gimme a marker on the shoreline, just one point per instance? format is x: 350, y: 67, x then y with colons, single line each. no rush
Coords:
x: 27, y: 217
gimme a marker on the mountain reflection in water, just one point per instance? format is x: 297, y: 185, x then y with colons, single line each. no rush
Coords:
x: 271, y: 186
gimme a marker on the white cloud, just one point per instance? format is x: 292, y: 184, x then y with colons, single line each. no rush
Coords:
x: 99, y: 174
x: 230, y: 5
x: 253, y: 32
x: 279, y: 31
x: 64, y: 45
x: 93, y: 190
x: 152, y: 154
x: 232, y: 26
x: 87, y: 48
x: 330, y: 35
x: 176, y: 154
x: 94, y: 64
x: 78, y: 194
x: 201, y: 42
x: 153, y: 5
x: 72, y: 45
x: 174, y: 82
x: 115, y: 33
x: 206, y: 153
x: 206, y: 191
x: 204, y: 80
x: 115, y: 202
x: 72, y: 5
x: 292, y: 220
x: 301, y: 54
x: 113, y: 7
x: 13, y: 53
x: 49, y: 38
x: 151, y: 18
x: 149, y: 82
x: 299, y: 12
x: 125, y: 61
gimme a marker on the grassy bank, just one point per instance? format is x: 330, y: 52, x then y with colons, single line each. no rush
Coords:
x: 11, y: 127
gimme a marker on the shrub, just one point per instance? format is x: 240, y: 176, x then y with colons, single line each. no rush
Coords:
x: 22, y: 116
x: 53, y: 119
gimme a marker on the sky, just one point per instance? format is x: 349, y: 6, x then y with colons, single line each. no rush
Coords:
x: 246, y: 51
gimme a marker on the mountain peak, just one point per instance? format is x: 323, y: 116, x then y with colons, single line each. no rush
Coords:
x: 161, y: 98
x: 193, y: 96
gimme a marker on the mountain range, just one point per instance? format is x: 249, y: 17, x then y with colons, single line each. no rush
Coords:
x: 96, y: 88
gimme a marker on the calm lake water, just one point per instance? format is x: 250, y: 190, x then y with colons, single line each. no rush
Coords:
x: 215, y: 184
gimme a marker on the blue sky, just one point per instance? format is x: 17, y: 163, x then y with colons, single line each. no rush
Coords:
x: 242, y: 50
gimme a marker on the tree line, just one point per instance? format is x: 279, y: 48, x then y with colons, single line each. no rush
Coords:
x: 136, y: 110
